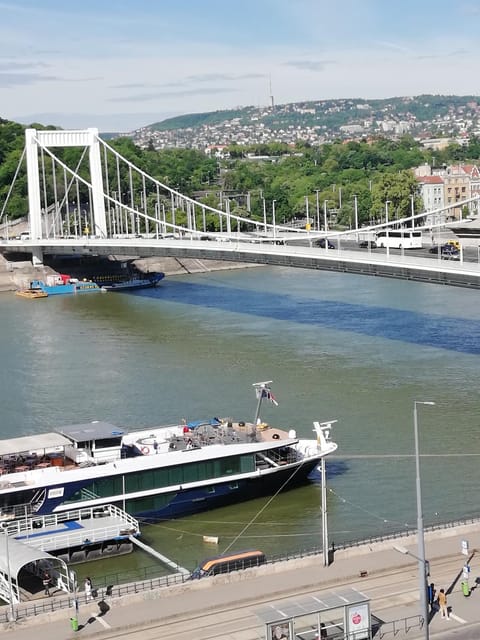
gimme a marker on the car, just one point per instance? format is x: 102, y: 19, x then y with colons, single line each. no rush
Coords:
x: 447, y: 251
x: 450, y: 253
x: 322, y: 243
x: 366, y: 244
x: 454, y: 243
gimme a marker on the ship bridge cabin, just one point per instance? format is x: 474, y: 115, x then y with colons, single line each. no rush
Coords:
x: 93, y: 442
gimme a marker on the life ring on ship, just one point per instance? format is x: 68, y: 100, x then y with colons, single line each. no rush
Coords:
x: 275, y: 436
x: 145, y: 450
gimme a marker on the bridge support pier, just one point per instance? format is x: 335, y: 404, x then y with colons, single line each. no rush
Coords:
x: 37, y: 257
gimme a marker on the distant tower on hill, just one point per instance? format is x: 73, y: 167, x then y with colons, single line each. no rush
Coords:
x: 272, y: 101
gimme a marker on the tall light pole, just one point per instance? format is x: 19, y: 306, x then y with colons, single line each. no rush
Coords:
x: 273, y: 219
x: 355, y: 209
x: 307, y: 213
x: 386, y: 227
x: 422, y: 565
x: 412, y: 207
x: 264, y: 215
x: 325, y: 215
x: 318, y: 210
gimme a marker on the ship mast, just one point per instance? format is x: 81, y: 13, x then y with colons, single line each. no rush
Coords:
x: 262, y: 390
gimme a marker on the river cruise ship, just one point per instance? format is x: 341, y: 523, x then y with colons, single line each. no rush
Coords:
x: 155, y: 473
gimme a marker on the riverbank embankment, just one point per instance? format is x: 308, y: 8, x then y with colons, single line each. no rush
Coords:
x: 17, y: 274
x: 384, y: 572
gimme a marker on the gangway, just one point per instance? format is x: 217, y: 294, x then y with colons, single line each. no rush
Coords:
x: 173, y: 565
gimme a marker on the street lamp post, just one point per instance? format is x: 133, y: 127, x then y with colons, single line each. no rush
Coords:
x: 273, y: 219
x: 355, y: 208
x: 422, y: 573
x: 318, y: 210
x: 308, y: 225
x: 386, y: 227
x: 325, y: 215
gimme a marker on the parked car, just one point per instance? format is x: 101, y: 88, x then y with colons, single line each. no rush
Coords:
x: 454, y: 243
x: 447, y: 251
x: 450, y: 253
x: 322, y: 243
x: 365, y: 244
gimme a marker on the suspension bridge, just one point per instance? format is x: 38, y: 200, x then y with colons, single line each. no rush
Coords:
x: 95, y: 202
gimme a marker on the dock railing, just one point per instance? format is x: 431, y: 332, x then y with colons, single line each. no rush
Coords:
x: 27, y: 529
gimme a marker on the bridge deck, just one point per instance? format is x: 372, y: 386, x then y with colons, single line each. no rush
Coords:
x: 423, y: 269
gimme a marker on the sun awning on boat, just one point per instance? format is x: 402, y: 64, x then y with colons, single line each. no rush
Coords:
x: 24, y: 444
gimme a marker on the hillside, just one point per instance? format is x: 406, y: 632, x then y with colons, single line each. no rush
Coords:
x: 423, y: 108
x: 319, y: 121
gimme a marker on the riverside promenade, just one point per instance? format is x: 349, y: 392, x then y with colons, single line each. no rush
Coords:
x: 224, y: 607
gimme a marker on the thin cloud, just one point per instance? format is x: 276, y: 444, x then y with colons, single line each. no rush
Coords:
x: 447, y: 54
x: 309, y: 65
x: 144, y: 97
x: 394, y: 46
x: 223, y: 77
x: 132, y: 85
x: 458, y: 52
x: 470, y: 9
x: 9, y: 80
x: 10, y: 65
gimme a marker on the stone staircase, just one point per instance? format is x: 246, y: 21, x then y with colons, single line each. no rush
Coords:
x: 17, y: 275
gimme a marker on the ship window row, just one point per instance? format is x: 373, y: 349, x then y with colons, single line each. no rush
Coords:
x: 178, y: 475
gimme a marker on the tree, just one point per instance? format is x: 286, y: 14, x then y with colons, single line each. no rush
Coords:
x: 396, y: 189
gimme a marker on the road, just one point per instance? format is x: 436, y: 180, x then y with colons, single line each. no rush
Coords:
x: 225, y: 607
x: 471, y: 249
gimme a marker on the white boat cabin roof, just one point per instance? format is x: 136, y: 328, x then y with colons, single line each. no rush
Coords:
x: 92, y: 431
x: 37, y: 442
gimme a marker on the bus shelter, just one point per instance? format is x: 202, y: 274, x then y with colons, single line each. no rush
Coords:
x: 22, y: 568
x: 336, y: 615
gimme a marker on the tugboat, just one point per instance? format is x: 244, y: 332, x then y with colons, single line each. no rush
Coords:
x: 58, y: 285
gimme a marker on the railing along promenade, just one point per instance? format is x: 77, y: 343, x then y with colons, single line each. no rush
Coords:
x: 132, y: 582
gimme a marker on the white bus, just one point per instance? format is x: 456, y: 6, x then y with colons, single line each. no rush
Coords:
x: 399, y: 239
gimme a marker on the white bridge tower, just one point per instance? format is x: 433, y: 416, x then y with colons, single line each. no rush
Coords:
x: 46, y: 139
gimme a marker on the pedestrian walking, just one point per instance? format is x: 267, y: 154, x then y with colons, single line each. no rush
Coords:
x: 431, y: 591
x: 88, y: 588
x: 442, y: 603
x: 46, y: 583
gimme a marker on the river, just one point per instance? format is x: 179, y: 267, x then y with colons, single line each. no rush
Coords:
x: 353, y: 348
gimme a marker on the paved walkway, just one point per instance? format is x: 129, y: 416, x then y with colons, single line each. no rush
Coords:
x: 213, y: 606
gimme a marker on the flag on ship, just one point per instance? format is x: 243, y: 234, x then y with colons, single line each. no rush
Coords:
x: 266, y: 392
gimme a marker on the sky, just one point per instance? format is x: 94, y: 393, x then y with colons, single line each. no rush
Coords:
x: 122, y: 64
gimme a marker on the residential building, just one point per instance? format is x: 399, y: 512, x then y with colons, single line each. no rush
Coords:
x: 432, y: 192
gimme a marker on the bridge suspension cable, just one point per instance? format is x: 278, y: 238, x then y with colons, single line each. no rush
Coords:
x: 112, y: 197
